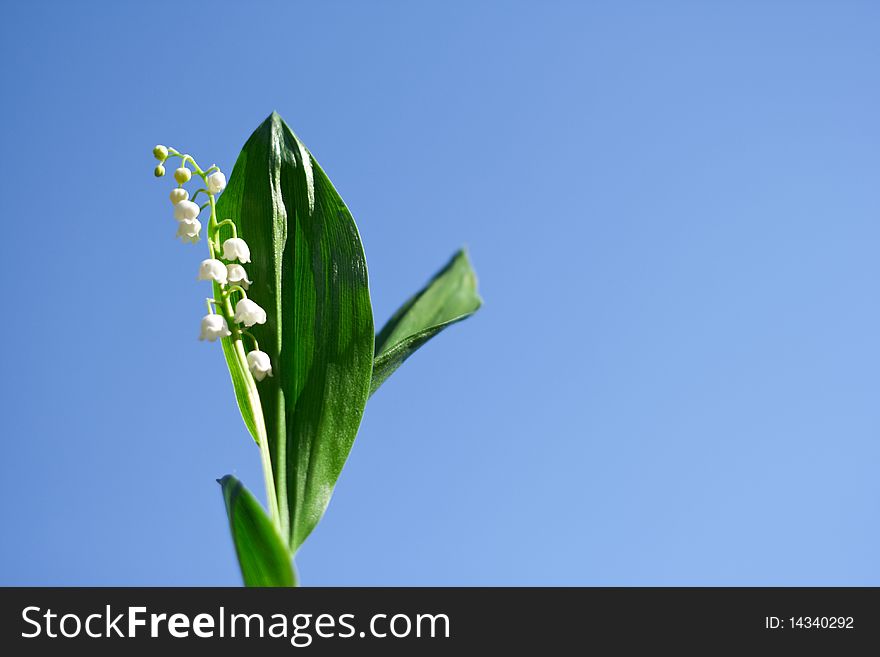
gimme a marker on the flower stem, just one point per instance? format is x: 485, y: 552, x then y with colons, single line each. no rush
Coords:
x: 253, y: 339
x: 231, y: 224
x: 253, y: 397
x: 213, y: 226
x: 236, y: 288
x: 251, y: 392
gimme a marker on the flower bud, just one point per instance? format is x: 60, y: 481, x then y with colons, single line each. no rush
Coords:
x: 259, y: 364
x: 186, y: 210
x: 236, y: 248
x: 182, y: 175
x: 159, y: 171
x: 249, y: 313
x: 236, y: 275
x: 179, y: 194
x: 212, y: 270
x: 160, y: 152
x: 213, y: 327
x: 216, y: 182
x: 188, y: 230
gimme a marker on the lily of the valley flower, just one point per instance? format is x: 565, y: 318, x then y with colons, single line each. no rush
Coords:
x: 236, y: 275
x: 259, y: 364
x: 236, y: 248
x: 216, y: 182
x: 213, y: 327
x: 249, y: 313
x: 186, y: 210
x: 213, y: 270
x: 178, y: 194
x: 188, y: 230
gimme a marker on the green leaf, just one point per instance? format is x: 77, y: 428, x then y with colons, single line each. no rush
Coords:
x: 449, y: 297
x: 262, y: 554
x: 242, y: 382
x: 309, y: 273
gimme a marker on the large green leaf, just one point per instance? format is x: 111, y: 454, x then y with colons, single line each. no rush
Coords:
x: 449, y: 297
x: 309, y: 273
x: 262, y: 554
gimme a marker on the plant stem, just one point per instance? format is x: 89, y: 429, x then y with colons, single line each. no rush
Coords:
x: 260, y: 422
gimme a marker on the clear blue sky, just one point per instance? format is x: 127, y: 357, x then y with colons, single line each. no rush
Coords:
x: 675, y: 215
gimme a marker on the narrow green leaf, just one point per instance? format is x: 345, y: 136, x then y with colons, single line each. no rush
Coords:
x: 262, y: 554
x: 309, y: 273
x: 449, y: 297
x: 241, y: 381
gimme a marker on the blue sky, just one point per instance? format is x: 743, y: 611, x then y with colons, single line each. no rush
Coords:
x: 673, y: 211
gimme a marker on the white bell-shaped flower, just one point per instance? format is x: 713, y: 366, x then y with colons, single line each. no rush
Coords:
x: 178, y: 194
x: 236, y: 248
x: 216, y: 182
x: 249, y: 313
x: 213, y: 270
x: 213, y: 327
x: 236, y: 275
x: 186, y: 210
x: 188, y: 230
x: 259, y: 364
